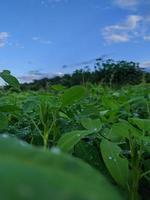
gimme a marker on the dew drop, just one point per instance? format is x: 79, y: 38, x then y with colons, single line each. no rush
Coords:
x: 95, y: 129
x: 5, y: 136
x: 110, y: 158
x: 55, y: 150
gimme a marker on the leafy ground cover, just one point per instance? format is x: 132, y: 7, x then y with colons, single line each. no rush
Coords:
x: 86, y: 142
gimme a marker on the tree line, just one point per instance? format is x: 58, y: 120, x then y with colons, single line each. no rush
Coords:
x: 108, y: 72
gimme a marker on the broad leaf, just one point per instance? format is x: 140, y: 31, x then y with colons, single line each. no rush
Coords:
x: 93, y: 125
x: 143, y: 124
x: 69, y: 140
x: 28, y: 173
x: 72, y: 94
x: 120, y: 129
x: 116, y: 165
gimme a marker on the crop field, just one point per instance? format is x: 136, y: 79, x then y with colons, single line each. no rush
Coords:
x: 88, y: 142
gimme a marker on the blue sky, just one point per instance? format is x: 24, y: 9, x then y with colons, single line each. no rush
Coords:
x: 38, y: 37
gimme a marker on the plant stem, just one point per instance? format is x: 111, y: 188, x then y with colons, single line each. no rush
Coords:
x: 45, y: 140
x: 135, y: 170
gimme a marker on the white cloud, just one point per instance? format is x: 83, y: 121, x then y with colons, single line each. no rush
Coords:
x: 133, y: 20
x: 146, y: 64
x: 134, y: 27
x: 37, y: 75
x: 129, y: 4
x: 40, y: 40
x: 130, y: 23
x: 116, y: 38
x: 3, y: 38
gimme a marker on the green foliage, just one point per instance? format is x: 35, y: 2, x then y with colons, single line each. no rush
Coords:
x: 143, y: 124
x: 69, y: 140
x: 71, y: 95
x: 107, y: 128
x: 107, y: 72
x: 28, y: 173
x: 117, y: 165
x: 92, y: 125
x: 11, y: 80
x: 3, y: 121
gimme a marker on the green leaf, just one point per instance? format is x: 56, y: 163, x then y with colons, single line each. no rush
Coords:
x: 11, y: 80
x: 119, y: 131
x: 93, y: 125
x: 58, y: 87
x: 69, y: 140
x: 8, y: 108
x: 116, y: 165
x: 122, y: 130
x: 29, y: 105
x: 28, y: 173
x: 3, y: 121
x: 87, y: 151
x: 103, y: 113
x: 72, y: 94
x: 143, y: 124
x: 146, y: 143
x: 63, y: 115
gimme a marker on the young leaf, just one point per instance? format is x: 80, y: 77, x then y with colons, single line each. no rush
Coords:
x: 72, y: 94
x: 69, y: 140
x: 116, y: 165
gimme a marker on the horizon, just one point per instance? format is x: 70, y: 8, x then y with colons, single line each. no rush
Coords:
x: 41, y: 36
x: 35, y: 75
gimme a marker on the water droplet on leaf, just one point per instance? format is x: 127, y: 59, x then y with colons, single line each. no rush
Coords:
x: 110, y: 158
x: 55, y: 150
x: 5, y: 136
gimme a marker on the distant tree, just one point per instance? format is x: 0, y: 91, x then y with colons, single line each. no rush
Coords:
x: 121, y: 73
x: 106, y: 72
x: 146, y: 77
